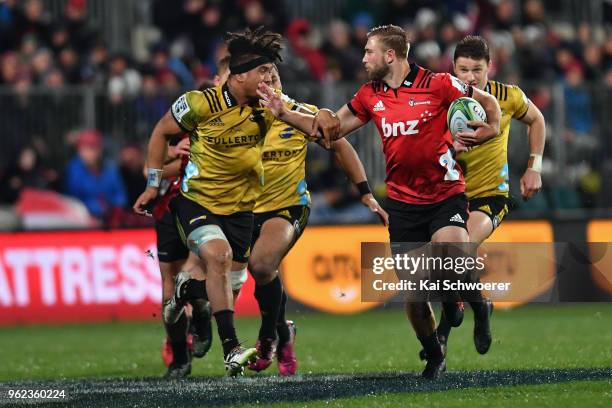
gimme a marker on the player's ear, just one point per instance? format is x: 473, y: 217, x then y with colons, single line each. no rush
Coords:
x: 390, y: 55
x: 241, y: 77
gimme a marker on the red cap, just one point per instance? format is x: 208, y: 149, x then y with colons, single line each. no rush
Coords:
x: 77, y: 4
x: 90, y: 138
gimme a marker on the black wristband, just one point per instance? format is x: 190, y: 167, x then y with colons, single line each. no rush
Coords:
x: 364, y: 188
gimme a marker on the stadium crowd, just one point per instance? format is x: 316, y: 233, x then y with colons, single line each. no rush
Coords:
x: 44, y: 57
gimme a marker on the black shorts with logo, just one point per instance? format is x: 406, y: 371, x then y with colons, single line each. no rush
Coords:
x: 496, y: 207
x: 411, y: 226
x: 170, y: 246
x: 297, y: 216
x: 237, y: 227
x: 418, y: 222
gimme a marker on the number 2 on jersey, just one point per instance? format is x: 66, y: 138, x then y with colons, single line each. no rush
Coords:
x: 447, y: 161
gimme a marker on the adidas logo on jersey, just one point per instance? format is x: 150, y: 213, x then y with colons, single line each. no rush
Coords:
x: 215, y: 122
x: 457, y: 218
x: 378, y: 107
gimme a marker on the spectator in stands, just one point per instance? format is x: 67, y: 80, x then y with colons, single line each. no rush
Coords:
x: 26, y: 171
x: 150, y: 105
x: 82, y: 35
x: 69, y: 65
x: 131, y: 163
x: 10, y: 68
x: 60, y: 38
x: 339, y: 50
x: 95, y: 71
x: 35, y: 21
x: 581, y: 143
x: 162, y: 61
x: 42, y: 62
x: 124, y: 81
x: 93, y: 180
x: 298, y: 35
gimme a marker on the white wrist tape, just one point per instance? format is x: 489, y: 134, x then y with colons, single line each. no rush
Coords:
x: 535, y: 162
x: 154, y: 177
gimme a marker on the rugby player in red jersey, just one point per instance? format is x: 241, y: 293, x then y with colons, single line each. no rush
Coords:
x: 425, y: 188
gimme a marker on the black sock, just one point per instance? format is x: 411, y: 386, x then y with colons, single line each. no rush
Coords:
x: 480, y: 310
x: 477, y: 302
x: 227, y: 332
x: 443, y: 327
x: 200, y: 317
x: 269, y: 297
x: 281, y: 325
x: 194, y: 289
x: 178, y: 331
x: 432, y: 346
x: 177, y: 336
x: 180, y: 354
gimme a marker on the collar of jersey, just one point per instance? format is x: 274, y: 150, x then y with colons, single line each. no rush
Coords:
x: 229, y: 99
x: 408, y: 81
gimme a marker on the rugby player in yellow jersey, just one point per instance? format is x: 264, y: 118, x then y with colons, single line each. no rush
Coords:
x: 485, y: 167
x: 223, y: 178
x: 192, y: 331
x: 281, y: 214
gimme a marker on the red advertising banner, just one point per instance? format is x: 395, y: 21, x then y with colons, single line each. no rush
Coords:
x: 92, y: 276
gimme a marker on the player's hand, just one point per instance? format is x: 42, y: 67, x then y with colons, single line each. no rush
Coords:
x: 531, y: 183
x: 271, y: 100
x: 181, y: 149
x: 459, y: 147
x: 369, y: 201
x: 483, y: 131
x: 328, y: 123
x: 146, y: 198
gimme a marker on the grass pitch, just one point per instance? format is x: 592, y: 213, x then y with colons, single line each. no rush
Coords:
x: 541, y: 355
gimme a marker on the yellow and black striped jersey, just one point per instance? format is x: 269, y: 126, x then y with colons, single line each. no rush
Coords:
x: 284, y: 160
x: 485, y: 167
x: 225, y: 171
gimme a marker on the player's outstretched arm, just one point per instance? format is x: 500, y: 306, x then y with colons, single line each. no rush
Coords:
x: 484, y: 130
x: 348, y: 123
x: 531, y: 182
x: 165, y: 129
x: 350, y: 162
x: 301, y: 121
x: 325, y: 123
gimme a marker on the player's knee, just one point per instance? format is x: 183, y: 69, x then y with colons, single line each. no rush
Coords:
x: 261, y: 268
x: 218, y: 260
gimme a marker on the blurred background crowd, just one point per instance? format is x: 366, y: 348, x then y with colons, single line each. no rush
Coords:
x: 82, y: 83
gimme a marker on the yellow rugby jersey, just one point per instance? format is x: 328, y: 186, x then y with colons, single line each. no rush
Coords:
x: 284, y: 160
x: 225, y: 171
x: 485, y: 167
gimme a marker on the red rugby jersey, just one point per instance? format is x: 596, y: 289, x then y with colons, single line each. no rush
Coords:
x: 411, y: 121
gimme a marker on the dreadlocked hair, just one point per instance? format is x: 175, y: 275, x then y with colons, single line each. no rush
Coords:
x: 250, y: 44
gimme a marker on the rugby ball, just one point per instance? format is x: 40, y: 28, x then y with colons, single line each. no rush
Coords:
x: 461, y: 111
